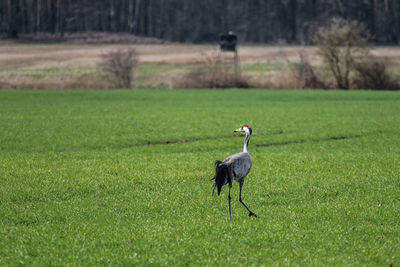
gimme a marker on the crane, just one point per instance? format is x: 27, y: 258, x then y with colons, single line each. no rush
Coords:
x: 234, y: 168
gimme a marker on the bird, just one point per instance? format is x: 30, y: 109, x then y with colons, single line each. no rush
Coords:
x: 234, y: 168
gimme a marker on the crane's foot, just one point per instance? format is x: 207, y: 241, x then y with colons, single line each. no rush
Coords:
x: 252, y: 214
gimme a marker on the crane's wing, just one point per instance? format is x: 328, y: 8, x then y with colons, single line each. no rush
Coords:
x: 222, y: 175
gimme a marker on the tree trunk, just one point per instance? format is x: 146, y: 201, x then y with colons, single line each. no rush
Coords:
x: 137, y: 17
x: 38, y: 15
x: 60, y: 20
x: 13, y: 19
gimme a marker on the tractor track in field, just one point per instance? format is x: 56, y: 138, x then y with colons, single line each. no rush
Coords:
x: 281, y: 143
x: 324, y: 139
x: 190, y: 140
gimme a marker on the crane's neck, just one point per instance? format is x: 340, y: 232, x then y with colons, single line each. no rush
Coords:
x: 246, y: 143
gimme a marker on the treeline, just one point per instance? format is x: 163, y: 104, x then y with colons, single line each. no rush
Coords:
x: 259, y: 21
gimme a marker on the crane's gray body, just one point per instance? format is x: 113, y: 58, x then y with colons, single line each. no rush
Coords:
x: 240, y: 165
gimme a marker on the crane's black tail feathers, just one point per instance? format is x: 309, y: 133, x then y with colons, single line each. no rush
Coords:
x: 222, y: 175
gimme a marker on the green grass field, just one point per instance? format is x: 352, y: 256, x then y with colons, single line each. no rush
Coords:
x: 123, y: 178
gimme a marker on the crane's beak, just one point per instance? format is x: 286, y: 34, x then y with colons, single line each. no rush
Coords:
x: 238, y: 130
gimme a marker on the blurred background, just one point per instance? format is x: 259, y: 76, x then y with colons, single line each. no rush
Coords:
x: 255, y: 21
x: 58, y: 44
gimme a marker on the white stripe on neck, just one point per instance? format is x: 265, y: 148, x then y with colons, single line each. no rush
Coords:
x: 246, y: 142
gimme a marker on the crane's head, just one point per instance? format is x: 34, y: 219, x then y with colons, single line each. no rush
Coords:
x: 245, y: 129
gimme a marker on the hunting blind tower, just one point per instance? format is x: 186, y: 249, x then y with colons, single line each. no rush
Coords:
x: 228, y: 43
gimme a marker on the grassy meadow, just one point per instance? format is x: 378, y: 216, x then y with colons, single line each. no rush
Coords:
x: 123, y: 178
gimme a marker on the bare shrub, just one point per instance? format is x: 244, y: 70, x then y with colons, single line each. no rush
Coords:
x: 118, y: 66
x: 205, y: 78
x: 213, y: 72
x: 341, y: 45
x: 55, y: 79
x: 373, y: 75
x: 304, y: 74
x: 283, y: 80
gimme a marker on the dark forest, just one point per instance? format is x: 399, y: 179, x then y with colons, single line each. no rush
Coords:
x: 194, y: 21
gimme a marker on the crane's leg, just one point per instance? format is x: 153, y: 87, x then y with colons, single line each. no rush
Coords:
x: 240, y: 199
x: 214, y: 188
x: 229, y: 199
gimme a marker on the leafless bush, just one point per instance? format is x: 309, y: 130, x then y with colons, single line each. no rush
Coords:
x: 118, y: 66
x: 203, y: 78
x: 373, y: 75
x: 304, y: 74
x: 88, y: 80
x: 283, y: 80
x: 342, y: 44
x: 213, y: 72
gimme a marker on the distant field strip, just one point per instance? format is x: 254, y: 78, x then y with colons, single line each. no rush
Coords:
x: 72, y: 66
